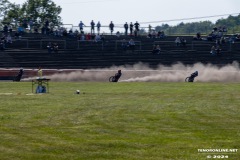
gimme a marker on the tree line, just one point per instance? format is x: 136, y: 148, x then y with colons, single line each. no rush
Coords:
x: 35, y: 10
x: 205, y: 27
x: 39, y: 10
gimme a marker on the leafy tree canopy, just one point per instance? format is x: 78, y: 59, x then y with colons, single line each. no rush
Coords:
x: 36, y: 10
x: 205, y: 27
x: 4, y: 7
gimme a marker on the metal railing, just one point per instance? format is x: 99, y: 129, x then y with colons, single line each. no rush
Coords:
x: 137, y: 43
x: 42, y: 43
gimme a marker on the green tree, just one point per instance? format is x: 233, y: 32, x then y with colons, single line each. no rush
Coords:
x: 4, y: 7
x: 37, y: 10
x: 13, y: 14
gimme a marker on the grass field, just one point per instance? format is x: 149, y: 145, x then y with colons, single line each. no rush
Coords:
x: 133, y: 121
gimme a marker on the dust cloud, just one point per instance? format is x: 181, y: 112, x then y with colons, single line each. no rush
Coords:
x: 141, y: 72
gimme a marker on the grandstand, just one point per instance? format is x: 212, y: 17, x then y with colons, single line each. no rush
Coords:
x: 30, y: 52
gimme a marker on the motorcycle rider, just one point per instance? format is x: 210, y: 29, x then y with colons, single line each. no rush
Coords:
x: 118, y: 75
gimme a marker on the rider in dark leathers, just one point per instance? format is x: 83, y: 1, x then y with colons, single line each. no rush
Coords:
x: 193, y: 75
x: 117, y: 76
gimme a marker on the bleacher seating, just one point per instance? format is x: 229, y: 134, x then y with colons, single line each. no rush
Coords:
x: 31, y: 52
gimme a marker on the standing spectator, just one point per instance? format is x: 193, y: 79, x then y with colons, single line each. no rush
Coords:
x: 46, y: 23
x: 111, y: 27
x: 126, y: 28
x: 156, y: 49
x: 92, y: 27
x: 5, y: 29
x: 131, y: 28
x: 25, y: 24
x: 30, y: 23
x: 149, y: 29
x: 10, y: 28
x: 137, y: 26
x: 98, y: 27
x: 81, y: 24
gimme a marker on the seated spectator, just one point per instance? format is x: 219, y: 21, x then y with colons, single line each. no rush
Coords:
x: 70, y: 33
x: 162, y: 34
x: 50, y: 47
x: 9, y: 39
x: 93, y: 36
x: 215, y: 29
x: 118, y: 34
x: 131, y: 44
x: 149, y: 35
x: 2, y: 45
x: 35, y: 30
x: 154, y: 34
x: 156, y: 49
x: 20, y: 30
x: 64, y: 33
x: 55, y: 47
x: 97, y: 38
x: 224, y: 29
x: 17, y: 35
x: 88, y: 37
x: 124, y: 45
x: 3, y: 38
x: 183, y: 42
x: 178, y: 41
x: 219, y: 34
x: 218, y: 51
x: 222, y: 40
x: 135, y: 33
x: 217, y: 41
x: 198, y: 36
x: 82, y: 37
x: 76, y: 32
x: 213, y: 50
x: 237, y: 37
x: 102, y: 37
x: 232, y: 39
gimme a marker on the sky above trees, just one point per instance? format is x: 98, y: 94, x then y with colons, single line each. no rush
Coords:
x: 157, y: 11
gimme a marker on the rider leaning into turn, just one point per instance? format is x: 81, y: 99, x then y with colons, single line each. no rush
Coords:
x: 118, y: 75
x: 195, y: 74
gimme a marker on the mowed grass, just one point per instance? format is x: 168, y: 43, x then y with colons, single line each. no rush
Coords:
x: 133, y: 121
